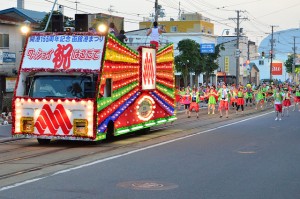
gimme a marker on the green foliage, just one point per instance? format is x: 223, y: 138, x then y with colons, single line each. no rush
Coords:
x: 189, y: 55
x: 289, y: 63
x: 68, y: 22
x: 188, y: 59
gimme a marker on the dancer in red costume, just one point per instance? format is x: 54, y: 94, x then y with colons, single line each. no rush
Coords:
x: 286, y: 102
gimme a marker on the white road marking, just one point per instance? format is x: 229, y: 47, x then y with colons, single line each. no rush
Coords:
x: 125, y: 154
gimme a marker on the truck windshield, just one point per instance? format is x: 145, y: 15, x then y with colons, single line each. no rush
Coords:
x: 60, y: 86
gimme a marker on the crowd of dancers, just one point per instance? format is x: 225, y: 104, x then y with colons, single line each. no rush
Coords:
x: 224, y: 97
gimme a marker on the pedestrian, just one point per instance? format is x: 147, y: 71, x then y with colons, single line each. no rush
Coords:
x: 122, y: 37
x: 112, y: 29
x: 259, y: 98
x: 154, y: 33
x: 249, y: 95
x: 233, y: 100
x: 186, y: 100
x: 297, y: 99
x: 212, y: 100
x: 178, y: 98
x: 278, y: 98
x: 224, y: 100
x: 240, y: 100
x: 286, y: 102
x: 194, y: 103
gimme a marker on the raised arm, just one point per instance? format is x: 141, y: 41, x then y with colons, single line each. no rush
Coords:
x: 149, y: 32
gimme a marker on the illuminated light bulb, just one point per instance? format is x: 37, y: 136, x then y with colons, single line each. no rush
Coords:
x: 44, y: 100
x: 89, y: 113
x: 18, y: 99
x: 22, y: 100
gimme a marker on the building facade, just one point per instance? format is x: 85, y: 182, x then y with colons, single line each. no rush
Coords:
x: 188, y: 23
x: 11, y: 48
x: 11, y: 45
x: 228, y: 58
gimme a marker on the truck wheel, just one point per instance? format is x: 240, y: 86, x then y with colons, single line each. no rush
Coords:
x: 43, y: 141
x: 146, y: 130
x: 110, y: 131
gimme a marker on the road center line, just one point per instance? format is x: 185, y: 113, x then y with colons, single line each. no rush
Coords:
x: 125, y: 154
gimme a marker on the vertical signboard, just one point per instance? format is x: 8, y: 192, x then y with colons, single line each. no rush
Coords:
x: 10, y: 83
x: 226, y: 64
x: 148, y: 68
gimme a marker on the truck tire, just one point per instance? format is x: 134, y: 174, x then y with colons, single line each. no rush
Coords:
x: 110, y: 133
x: 43, y: 141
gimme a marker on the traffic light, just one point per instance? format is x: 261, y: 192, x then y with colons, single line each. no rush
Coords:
x: 262, y: 54
x: 271, y: 54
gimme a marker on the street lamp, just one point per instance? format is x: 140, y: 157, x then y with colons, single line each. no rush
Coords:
x: 102, y: 28
x: 25, y: 28
x: 227, y: 31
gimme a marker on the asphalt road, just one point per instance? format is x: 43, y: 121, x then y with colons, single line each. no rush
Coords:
x: 253, y: 158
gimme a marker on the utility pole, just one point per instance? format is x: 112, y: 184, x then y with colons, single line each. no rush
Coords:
x: 76, y: 2
x: 156, y: 10
x: 238, y: 20
x: 272, y: 48
x: 294, y: 62
x: 179, y: 12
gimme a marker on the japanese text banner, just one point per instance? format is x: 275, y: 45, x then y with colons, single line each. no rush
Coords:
x: 64, y: 52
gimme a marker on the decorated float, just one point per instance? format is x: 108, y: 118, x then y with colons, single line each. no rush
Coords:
x: 89, y: 87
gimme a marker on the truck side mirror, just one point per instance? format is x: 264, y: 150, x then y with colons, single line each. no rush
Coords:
x: 89, y: 89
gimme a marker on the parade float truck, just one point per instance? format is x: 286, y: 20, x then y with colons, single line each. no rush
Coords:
x: 89, y: 87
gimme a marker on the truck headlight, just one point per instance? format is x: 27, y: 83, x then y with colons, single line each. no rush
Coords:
x: 80, y: 127
x: 27, y: 125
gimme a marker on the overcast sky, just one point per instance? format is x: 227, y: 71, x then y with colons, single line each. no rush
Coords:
x: 261, y: 14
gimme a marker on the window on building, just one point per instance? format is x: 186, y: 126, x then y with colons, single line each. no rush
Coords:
x: 174, y: 29
x: 4, y: 40
x: 261, y: 62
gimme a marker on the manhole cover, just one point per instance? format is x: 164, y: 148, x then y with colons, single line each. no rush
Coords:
x: 147, y: 185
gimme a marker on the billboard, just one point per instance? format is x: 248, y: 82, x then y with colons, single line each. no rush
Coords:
x: 64, y: 52
x: 276, y: 68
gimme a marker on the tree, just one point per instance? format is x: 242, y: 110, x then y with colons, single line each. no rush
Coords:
x: 68, y: 22
x: 209, y: 61
x: 188, y: 59
x: 289, y: 63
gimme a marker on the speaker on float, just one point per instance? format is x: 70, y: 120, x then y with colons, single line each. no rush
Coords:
x: 57, y: 23
x: 81, y: 22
